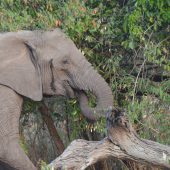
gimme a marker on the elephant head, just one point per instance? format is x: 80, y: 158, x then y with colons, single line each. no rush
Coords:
x: 34, y: 63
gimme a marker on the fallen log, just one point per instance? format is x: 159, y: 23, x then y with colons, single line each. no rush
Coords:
x: 121, y: 142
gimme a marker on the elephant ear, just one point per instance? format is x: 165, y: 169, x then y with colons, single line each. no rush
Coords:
x: 19, y: 68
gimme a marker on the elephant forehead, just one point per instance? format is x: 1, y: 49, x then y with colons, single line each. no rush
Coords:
x: 54, y: 52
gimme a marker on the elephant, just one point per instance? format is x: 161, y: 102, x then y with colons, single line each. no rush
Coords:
x: 36, y: 64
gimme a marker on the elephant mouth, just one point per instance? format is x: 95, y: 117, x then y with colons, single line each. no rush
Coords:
x: 69, y: 91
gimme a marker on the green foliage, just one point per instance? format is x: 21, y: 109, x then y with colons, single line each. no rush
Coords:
x: 23, y: 145
x: 44, y: 166
x: 147, y: 27
x: 26, y: 14
x: 30, y: 106
x: 78, y: 123
x: 129, y: 45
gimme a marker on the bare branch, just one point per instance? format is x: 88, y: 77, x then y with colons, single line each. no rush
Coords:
x: 50, y: 125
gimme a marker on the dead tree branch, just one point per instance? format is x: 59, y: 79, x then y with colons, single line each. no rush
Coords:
x: 50, y: 125
x: 122, y: 142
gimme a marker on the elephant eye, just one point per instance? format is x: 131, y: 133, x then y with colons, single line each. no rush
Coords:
x: 65, y: 61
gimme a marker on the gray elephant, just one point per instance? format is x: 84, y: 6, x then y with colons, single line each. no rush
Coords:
x: 37, y: 63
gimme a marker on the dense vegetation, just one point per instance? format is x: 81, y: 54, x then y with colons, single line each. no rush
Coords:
x: 127, y: 41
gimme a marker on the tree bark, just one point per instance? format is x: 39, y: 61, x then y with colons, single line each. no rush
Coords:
x: 122, y: 142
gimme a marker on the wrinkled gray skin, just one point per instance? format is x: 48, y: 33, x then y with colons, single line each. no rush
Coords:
x: 37, y: 63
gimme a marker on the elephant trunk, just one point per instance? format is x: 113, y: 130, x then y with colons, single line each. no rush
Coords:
x: 93, y: 82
